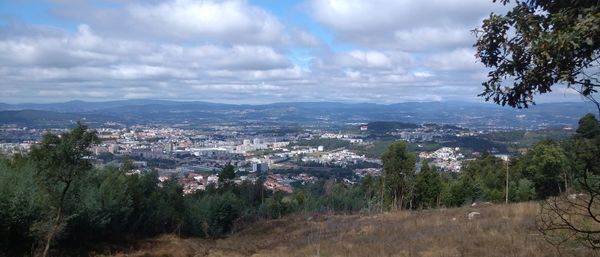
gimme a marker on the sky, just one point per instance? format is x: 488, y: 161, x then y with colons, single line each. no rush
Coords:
x: 243, y: 51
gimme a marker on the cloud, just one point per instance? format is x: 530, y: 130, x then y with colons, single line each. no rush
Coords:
x: 461, y: 59
x: 187, y: 21
x: 223, y: 20
x: 239, y: 52
x: 405, y: 25
x: 85, y: 64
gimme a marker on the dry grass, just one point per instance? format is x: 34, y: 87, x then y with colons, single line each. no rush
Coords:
x: 500, y: 230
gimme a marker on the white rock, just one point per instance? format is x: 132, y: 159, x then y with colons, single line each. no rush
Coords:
x: 472, y: 215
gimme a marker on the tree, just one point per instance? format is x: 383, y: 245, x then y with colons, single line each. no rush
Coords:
x: 428, y: 187
x: 574, y: 217
x: 588, y: 127
x: 522, y: 191
x: 398, y: 174
x: 369, y: 187
x: 484, y: 178
x: 61, y: 160
x: 21, y: 205
x: 126, y: 164
x: 102, y: 205
x: 537, y: 45
x: 546, y: 165
x: 227, y: 173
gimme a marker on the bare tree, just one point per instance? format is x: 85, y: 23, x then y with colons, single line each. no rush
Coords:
x: 573, y: 217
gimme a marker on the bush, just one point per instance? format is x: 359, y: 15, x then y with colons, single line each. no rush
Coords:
x: 211, y: 215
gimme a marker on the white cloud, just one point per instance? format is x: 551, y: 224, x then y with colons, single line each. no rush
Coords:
x: 371, y: 58
x: 187, y: 21
x: 83, y: 64
x: 407, y: 25
x: 230, y: 20
x: 235, y: 51
x: 461, y: 59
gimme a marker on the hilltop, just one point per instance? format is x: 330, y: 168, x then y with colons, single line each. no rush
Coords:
x: 500, y: 230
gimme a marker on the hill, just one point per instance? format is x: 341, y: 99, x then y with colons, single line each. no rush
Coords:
x: 37, y: 118
x: 463, y: 114
x: 500, y: 230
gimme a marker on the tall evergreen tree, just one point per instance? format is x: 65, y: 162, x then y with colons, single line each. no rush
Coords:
x: 428, y: 187
x: 398, y: 173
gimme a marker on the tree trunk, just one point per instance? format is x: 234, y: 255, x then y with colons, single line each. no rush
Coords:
x: 401, y: 201
x: 395, y: 200
x: 52, y: 232
x: 566, y: 184
x: 382, y: 195
x: 57, y: 221
x: 506, y: 188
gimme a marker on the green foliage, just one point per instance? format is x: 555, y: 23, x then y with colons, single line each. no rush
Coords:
x: 21, y: 205
x: 537, y: 45
x: 61, y: 160
x: 428, y: 187
x: 106, y: 203
x: 160, y: 206
x: 211, y: 215
x: 527, y: 139
x: 252, y: 194
x: 373, y: 150
x: 455, y: 193
x: 277, y: 206
x: 126, y: 164
x: 102, y: 205
x: 583, y: 150
x: 398, y: 173
x: 485, y: 178
x: 383, y: 127
x: 546, y: 165
x: 522, y: 191
x: 227, y: 173
x: 588, y: 127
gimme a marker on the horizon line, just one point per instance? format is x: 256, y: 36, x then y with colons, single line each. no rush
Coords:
x: 282, y: 102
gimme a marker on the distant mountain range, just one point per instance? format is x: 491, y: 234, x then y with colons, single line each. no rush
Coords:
x: 465, y: 114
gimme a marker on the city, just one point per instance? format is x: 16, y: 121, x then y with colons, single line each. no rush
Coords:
x: 282, y: 159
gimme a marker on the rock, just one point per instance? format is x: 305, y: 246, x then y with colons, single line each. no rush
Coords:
x: 575, y: 196
x: 472, y: 215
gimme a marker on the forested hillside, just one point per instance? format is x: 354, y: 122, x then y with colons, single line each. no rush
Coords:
x: 53, y: 200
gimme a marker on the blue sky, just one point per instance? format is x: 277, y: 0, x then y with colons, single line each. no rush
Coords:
x: 237, y: 51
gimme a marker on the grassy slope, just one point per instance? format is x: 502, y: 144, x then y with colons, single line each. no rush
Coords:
x: 498, y: 231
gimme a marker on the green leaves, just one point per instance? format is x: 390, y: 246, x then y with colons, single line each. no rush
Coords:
x: 537, y: 45
x: 428, y: 187
x: 398, y: 174
x: 227, y: 173
x: 547, y: 166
